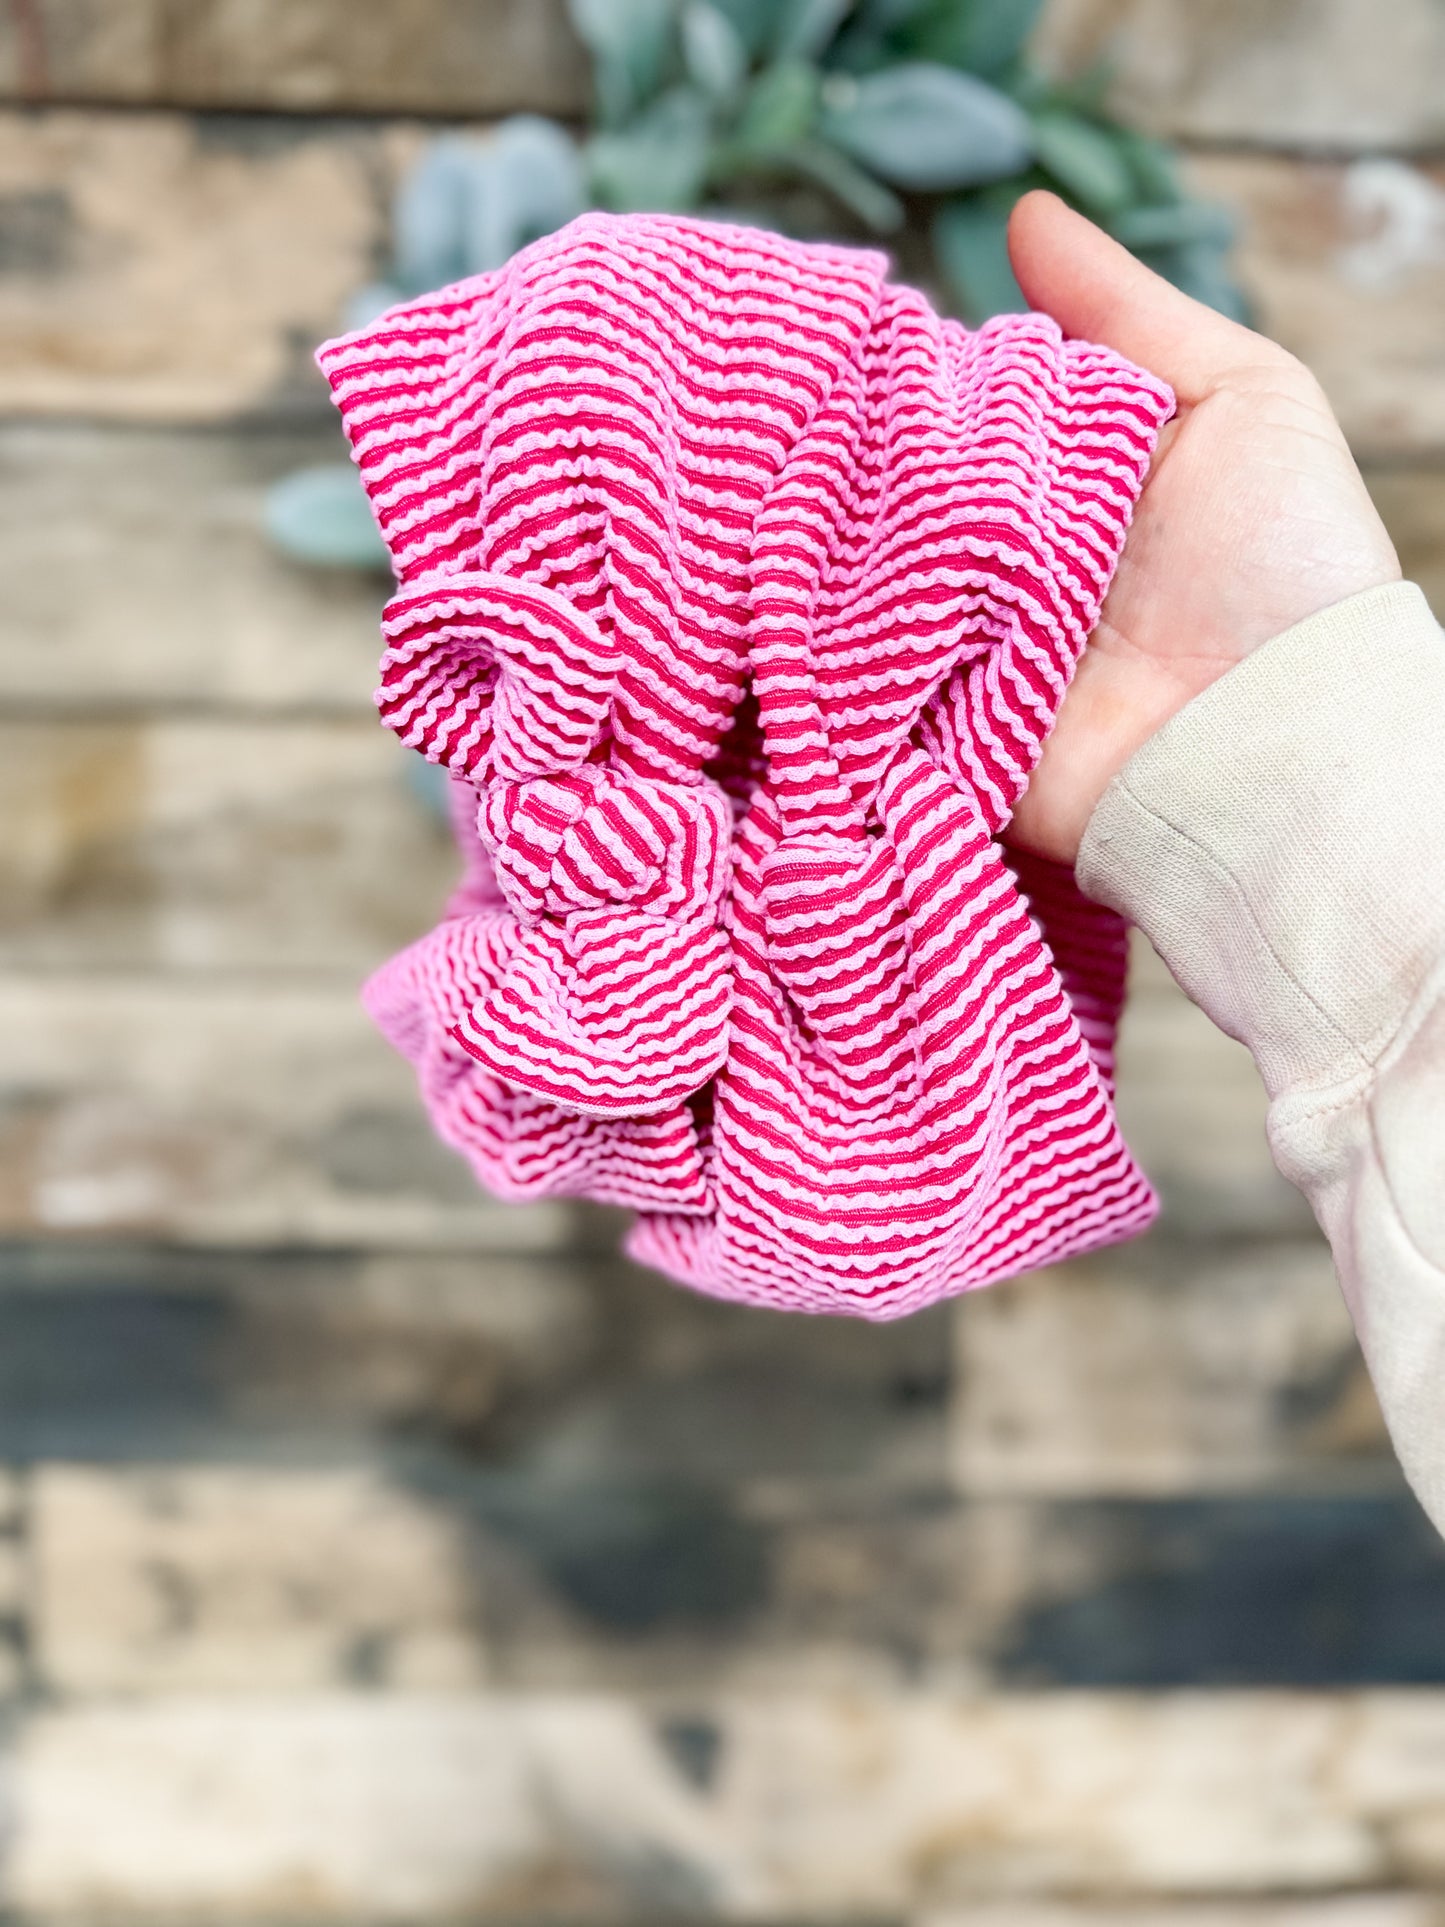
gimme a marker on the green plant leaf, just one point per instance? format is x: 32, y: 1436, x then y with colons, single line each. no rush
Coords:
x: 321, y: 515
x: 1153, y: 166
x: 804, y: 27
x: 659, y: 162
x: 1084, y: 159
x: 629, y: 41
x: 1200, y: 271
x: 888, y: 16
x: 429, y: 218
x: 527, y: 180
x: 983, y: 37
x: 713, y: 51
x: 738, y: 214
x: 751, y: 20
x: 970, y: 240
x: 370, y: 301
x: 779, y: 111
x: 1087, y: 91
x: 1175, y: 224
x: 470, y: 203
x: 926, y: 127
x: 871, y: 35
x: 876, y: 206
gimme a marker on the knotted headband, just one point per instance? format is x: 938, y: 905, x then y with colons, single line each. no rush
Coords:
x: 737, y: 591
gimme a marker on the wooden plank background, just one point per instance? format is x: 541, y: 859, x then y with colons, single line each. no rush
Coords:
x: 371, y: 1549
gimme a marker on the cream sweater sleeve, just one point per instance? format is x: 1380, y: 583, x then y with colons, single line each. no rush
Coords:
x: 1282, y: 843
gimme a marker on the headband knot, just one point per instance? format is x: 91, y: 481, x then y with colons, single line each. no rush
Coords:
x: 598, y: 839
x: 837, y: 944
x: 614, y: 998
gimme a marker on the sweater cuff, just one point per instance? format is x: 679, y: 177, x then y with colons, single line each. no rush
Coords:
x: 1281, y: 841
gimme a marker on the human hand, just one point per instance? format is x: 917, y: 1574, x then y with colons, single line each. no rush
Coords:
x: 1254, y: 515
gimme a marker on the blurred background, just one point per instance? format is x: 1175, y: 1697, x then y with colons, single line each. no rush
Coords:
x: 370, y: 1550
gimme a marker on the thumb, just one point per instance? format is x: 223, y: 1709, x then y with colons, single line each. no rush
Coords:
x: 1097, y: 291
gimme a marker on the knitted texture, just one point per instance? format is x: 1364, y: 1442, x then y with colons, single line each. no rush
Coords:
x: 738, y: 592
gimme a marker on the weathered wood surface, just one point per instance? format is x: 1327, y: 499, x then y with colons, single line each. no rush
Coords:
x: 414, y: 1574
x: 1412, y: 502
x: 1328, y: 74
x: 1332, y: 75
x: 261, y: 1107
x: 769, y: 1807
x: 463, y: 57
x: 1349, y: 274
x: 1155, y: 1370
x: 164, y: 269
x: 196, y: 784
x: 232, y: 1111
x: 215, y: 843
x: 368, y: 1549
x: 1193, y: 1110
x: 569, y: 1365
x: 141, y: 579
x: 1350, y: 1910
x: 1164, y: 1367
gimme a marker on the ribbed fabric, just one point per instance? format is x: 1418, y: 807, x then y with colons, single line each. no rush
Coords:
x: 738, y: 591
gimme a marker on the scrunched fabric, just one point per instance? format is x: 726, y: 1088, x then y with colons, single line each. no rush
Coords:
x: 737, y: 591
x: 474, y: 670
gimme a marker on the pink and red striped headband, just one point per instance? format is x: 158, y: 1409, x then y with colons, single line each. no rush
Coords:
x: 737, y: 591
